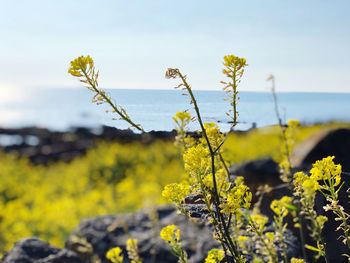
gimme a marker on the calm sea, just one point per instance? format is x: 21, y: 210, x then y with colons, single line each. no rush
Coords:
x: 61, y: 109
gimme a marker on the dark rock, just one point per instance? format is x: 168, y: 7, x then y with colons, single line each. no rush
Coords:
x: 105, y: 232
x: 325, y: 143
x: 33, y: 250
x: 42, y: 146
x: 258, y: 173
x: 328, y: 143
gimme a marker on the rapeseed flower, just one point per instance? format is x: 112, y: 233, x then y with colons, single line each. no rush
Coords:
x: 176, y: 192
x: 170, y: 234
x: 115, y: 255
x: 215, y: 256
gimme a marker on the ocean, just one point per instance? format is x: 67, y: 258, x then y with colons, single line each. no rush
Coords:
x: 63, y: 108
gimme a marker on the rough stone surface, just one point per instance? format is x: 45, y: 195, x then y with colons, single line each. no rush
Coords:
x: 261, y: 172
x: 328, y: 143
x: 105, y: 232
x: 42, y: 146
x: 34, y: 250
x: 334, y: 142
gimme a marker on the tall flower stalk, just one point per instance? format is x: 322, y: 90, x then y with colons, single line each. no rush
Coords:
x: 83, y: 68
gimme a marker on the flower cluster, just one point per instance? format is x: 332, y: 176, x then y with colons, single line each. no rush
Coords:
x: 238, y: 197
x: 215, y: 256
x: 282, y: 206
x: 176, y: 192
x: 171, y: 234
x: 81, y: 66
x: 115, y: 255
x: 234, y: 70
x: 132, y: 249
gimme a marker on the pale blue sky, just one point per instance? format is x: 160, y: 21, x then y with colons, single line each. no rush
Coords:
x: 304, y: 43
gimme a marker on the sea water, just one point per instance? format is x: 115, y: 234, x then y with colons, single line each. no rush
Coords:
x: 63, y: 108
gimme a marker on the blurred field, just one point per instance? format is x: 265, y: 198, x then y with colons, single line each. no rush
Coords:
x: 48, y: 202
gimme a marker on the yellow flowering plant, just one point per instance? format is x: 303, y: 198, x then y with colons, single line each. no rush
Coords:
x: 215, y: 256
x: 132, y: 249
x: 241, y: 232
x: 115, y: 255
x: 172, y: 235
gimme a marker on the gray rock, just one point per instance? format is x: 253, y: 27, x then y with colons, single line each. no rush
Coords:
x: 336, y: 143
x: 34, y: 250
x: 105, y: 232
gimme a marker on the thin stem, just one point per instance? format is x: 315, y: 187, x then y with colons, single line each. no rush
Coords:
x: 229, y: 241
x: 108, y: 100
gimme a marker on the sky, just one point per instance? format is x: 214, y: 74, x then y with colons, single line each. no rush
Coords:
x: 305, y: 44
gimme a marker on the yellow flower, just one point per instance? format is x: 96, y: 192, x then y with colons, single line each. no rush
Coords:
x: 214, y: 135
x: 280, y: 207
x: 182, y: 117
x: 131, y: 247
x: 310, y: 187
x: 259, y: 220
x: 326, y: 169
x: 130, y: 243
x: 234, y: 61
x: 115, y: 255
x: 238, y: 197
x: 175, y: 192
x: 80, y: 65
x: 197, y: 161
x: 270, y: 236
x: 293, y: 123
x: 221, y: 180
x: 215, y: 256
x: 321, y: 220
x: 299, y: 178
x: 297, y: 260
x: 242, y: 240
x: 170, y: 234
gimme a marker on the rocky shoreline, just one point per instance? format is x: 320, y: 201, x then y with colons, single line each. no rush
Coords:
x: 42, y: 146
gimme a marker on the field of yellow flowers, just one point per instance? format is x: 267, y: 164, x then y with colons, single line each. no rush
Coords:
x: 49, y: 201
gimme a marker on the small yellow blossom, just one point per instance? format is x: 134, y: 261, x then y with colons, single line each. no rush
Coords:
x: 197, y: 161
x: 182, y: 118
x: 133, y: 254
x: 297, y: 260
x: 175, y: 192
x: 242, y: 241
x: 259, y: 220
x: 310, y: 187
x: 221, y: 180
x: 238, y: 197
x: 326, y: 169
x: 170, y: 234
x: 232, y: 61
x: 299, y: 178
x: 115, y: 255
x: 321, y: 220
x: 80, y: 65
x: 280, y: 207
x: 270, y: 236
x: 214, y: 135
x: 215, y: 256
x: 293, y: 123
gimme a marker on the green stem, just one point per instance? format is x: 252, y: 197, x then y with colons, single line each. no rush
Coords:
x: 226, y: 235
x: 108, y: 100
